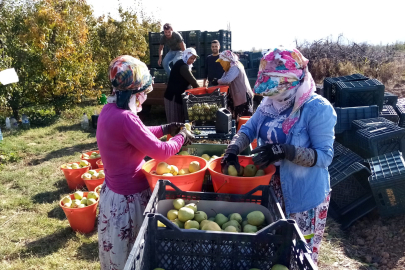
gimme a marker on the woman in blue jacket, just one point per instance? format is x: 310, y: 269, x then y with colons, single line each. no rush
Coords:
x: 295, y: 132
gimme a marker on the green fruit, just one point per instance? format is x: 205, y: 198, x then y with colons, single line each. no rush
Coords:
x: 206, y: 157
x: 191, y: 224
x: 255, y: 218
x: 183, y: 153
x: 279, y: 267
x: 231, y: 229
x: 236, y: 216
x: 211, y: 226
x: 160, y: 224
x: 192, y: 206
x: 233, y: 223
x: 202, y: 223
x: 172, y: 214
x: 220, y: 219
x: 200, y: 216
x: 232, y: 171
x: 241, y: 170
x: 92, y: 195
x: 250, y: 170
x: 78, y: 195
x: 158, y: 269
x: 260, y: 173
x: 178, y: 203
x: 66, y: 200
x: 254, y: 269
x: 245, y: 222
x: 91, y: 201
x: 212, y: 219
x: 178, y: 223
x: 250, y: 229
x: 84, y: 201
x: 185, y: 214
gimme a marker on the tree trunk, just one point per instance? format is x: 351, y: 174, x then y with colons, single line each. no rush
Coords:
x: 15, y: 113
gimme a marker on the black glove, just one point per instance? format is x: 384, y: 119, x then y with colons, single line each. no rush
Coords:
x: 214, y: 82
x: 172, y: 128
x: 228, y: 160
x: 268, y: 154
x: 188, y: 136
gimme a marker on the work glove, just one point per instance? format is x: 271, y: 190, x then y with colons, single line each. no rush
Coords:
x: 228, y: 160
x: 214, y: 82
x: 188, y: 136
x: 172, y: 128
x: 268, y: 154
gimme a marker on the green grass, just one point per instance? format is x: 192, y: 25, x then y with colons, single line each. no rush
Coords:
x: 34, y: 230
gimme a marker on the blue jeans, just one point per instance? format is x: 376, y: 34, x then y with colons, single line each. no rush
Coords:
x: 171, y: 56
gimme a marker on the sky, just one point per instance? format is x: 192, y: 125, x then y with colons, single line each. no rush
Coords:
x: 267, y: 24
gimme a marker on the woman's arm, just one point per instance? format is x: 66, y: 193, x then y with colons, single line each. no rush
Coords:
x: 145, y: 141
x: 156, y: 130
x: 229, y: 76
x: 186, y: 73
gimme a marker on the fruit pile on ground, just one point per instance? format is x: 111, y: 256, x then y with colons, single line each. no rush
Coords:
x: 76, y: 165
x: 248, y: 171
x: 91, y: 156
x: 170, y: 170
x: 188, y: 217
x: 80, y: 201
x: 93, y: 175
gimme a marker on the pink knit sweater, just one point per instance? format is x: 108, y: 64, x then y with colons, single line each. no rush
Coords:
x: 124, y: 141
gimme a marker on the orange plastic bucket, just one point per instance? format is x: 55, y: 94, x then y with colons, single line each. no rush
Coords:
x: 99, y: 164
x: 197, y: 91
x: 81, y: 219
x: 237, y: 185
x: 92, y: 161
x: 222, y: 88
x: 188, y: 182
x: 242, y: 121
x: 74, y: 176
x: 92, y: 184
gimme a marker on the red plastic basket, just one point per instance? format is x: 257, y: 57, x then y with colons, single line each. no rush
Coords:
x: 93, y: 183
x: 92, y: 161
x: 74, y: 176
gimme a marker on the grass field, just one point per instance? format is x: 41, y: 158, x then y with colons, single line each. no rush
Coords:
x: 34, y: 229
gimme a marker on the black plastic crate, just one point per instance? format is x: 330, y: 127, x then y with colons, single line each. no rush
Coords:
x: 209, y: 133
x: 194, y: 106
x: 160, y: 75
x: 252, y: 72
x: 345, y: 116
x: 343, y: 157
x: 370, y: 122
x: 254, y: 60
x: 400, y: 108
x: 359, y: 93
x: 388, y: 183
x: 172, y: 248
x: 390, y: 99
x: 389, y: 113
x: 351, y: 196
x: 378, y: 140
x: 328, y: 84
x: 154, y: 38
x: 244, y: 62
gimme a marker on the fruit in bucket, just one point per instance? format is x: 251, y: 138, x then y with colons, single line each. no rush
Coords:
x: 167, y: 174
x: 86, y: 176
x: 174, y: 170
x: 85, y: 156
x: 194, y: 166
x: 255, y: 218
x: 178, y: 203
x: 250, y: 170
x: 183, y: 153
x: 91, y: 201
x: 94, y: 155
x: 84, y: 201
x: 92, y: 195
x: 101, y: 175
x: 206, y: 157
x: 92, y: 172
x: 84, y: 163
x: 75, y: 166
x: 78, y: 195
x: 163, y: 168
x: 232, y: 171
x: 94, y: 176
x: 76, y: 203
x: 184, y: 171
x: 66, y: 200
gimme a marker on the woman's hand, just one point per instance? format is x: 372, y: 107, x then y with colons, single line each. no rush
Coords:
x: 172, y: 128
x: 188, y: 136
x: 228, y: 160
x: 268, y: 154
x: 214, y: 82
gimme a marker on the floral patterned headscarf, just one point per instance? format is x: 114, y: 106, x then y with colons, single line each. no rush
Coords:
x: 228, y: 59
x: 281, y: 72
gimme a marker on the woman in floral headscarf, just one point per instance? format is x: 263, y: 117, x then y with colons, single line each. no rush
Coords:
x: 124, y: 141
x: 179, y: 81
x: 240, y: 95
x: 295, y: 131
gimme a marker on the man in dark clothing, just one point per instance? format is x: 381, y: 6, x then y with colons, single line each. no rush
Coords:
x: 213, y: 69
x: 176, y: 45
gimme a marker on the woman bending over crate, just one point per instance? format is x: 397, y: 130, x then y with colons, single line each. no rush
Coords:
x: 294, y: 128
x: 240, y: 95
x: 124, y: 141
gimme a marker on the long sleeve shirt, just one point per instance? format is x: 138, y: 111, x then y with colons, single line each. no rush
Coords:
x: 124, y: 141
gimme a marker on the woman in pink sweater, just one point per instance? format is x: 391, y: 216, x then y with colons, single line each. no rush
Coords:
x: 124, y: 141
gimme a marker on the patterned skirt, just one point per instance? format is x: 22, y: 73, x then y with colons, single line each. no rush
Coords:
x: 174, y: 111
x: 120, y: 218
x: 311, y: 222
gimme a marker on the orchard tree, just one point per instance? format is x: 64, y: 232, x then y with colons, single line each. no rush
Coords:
x: 58, y: 37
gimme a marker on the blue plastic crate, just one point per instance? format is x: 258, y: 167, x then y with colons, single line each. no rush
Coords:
x: 345, y: 116
x: 377, y: 140
x: 388, y: 183
x: 400, y: 109
x: 390, y: 99
x: 389, y: 113
x: 329, y: 84
x: 370, y: 122
x: 360, y: 93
